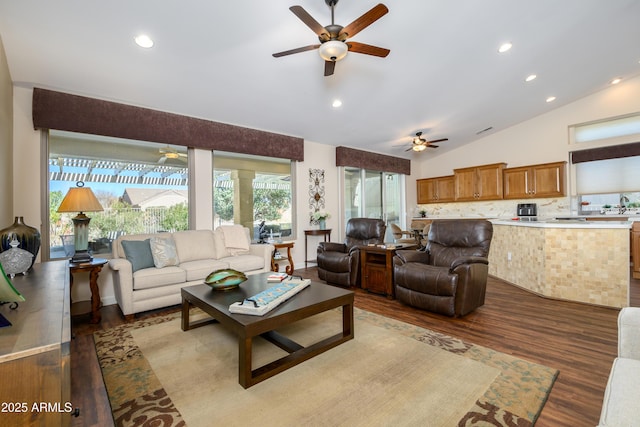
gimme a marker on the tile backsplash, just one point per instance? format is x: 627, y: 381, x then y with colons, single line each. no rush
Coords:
x: 547, y: 208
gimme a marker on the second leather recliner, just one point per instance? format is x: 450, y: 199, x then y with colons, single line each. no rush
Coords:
x: 339, y: 263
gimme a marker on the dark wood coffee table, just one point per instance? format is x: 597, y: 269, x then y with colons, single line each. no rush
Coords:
x: 316, y: 298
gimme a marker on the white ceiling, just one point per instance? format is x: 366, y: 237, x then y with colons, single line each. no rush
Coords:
x: 212, y: 59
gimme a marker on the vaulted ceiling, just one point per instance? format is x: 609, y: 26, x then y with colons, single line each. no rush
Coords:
x: 444, y: 76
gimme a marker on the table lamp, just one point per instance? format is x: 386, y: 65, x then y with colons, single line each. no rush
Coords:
x: 80, y: 199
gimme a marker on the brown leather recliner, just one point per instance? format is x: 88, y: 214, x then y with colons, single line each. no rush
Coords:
x: 450, y: 275
x: 339, y: 263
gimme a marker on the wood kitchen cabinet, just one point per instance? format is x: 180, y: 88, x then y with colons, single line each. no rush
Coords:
x: 479, y: 183
x: 436, y: 190
x: 536, y: 181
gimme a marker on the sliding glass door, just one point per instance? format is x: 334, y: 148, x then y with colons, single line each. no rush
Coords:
x: 374, y: 194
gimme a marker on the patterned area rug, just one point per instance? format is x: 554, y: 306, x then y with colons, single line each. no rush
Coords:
x: 513, y: 393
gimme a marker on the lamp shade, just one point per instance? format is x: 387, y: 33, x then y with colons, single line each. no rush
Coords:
x: 333, y: 50
x: 80, y: 199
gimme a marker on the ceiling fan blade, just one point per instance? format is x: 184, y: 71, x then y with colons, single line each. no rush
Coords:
x: 367, y: 49
x: 308, y: 20
x: 297, y: 50
x: 432, y: 146
x: 438, y: 140
x: 365, y: 20
x: 329, y: 66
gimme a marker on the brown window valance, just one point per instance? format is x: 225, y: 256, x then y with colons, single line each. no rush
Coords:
x: 61, y: 111
x: 380, y: 162
x: 606, y: 153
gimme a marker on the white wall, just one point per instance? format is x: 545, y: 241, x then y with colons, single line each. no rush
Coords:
x: 6, y: 140
x: 539, y: 140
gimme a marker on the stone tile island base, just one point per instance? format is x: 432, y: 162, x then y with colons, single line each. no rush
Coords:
x: 588, y: 264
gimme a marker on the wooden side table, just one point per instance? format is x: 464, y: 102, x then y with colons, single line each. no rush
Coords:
x: 274, y: 264
x: 93, y: 268
x: 326, y: 233
x: 376, y: 268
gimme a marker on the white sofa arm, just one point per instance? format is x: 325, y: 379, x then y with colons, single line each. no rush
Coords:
x: 629, y: 333
x: 123, y: 284
x: 265, y: 251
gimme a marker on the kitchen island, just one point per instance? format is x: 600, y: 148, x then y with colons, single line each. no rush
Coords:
x: 576, y: 260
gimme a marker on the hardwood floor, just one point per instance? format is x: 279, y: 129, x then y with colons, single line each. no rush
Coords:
x: 579, y: 340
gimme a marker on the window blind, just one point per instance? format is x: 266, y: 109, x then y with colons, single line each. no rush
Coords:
x: 620, y: 175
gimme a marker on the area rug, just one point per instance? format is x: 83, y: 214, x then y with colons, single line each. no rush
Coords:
x: 392, y: 373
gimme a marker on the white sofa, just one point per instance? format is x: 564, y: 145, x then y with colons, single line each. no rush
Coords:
x: 621, y: 404
x: 179, y: 259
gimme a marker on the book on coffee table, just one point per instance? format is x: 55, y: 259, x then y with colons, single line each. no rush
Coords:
x: 276, y: 277
x: 270, y: 298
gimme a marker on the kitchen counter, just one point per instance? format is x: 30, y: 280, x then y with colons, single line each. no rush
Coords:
x: 568, y: 223
x: 575, y: 260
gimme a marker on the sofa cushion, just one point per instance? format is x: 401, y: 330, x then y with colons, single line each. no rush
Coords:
x: 245, y: 263
x: 164, y: 251
x: 138, y: 252
x: 153, y: 277
x: 198, y: 270
x: 620, y: 405
x: 193, y: 245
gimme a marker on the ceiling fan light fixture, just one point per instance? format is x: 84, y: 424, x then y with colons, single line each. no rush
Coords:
x: 419, y: 147
x: 333, y: 50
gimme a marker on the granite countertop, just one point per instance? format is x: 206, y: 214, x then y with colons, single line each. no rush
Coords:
x: 565, y: 221
x: 570, y: 223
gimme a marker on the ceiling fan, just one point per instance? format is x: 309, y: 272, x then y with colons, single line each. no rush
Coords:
x: 333, y: 38
x: 421, y: 144
x: 170, y: 153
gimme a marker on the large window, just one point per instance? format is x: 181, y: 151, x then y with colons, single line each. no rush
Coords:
x: 142, y: 186
x: 254, y: 191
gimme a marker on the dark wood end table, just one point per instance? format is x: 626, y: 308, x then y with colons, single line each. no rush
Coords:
x: 314, y: 299
x: 93, y: 267
x: 376, y: 268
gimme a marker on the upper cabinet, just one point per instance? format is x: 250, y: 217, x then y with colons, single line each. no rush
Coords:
x: 479, y: 182
x: 436, y: 190
x: 537, y: 181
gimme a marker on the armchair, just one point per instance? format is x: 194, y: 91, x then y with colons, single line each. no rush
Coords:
x: 339, y: 263
x: 450, y: 275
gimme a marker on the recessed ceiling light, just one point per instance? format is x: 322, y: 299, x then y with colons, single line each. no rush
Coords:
x: 616, y: 81
x: 336, y: 103
x: 530, y: 78
x: 144, y: 40
x: 551, y: 99
x: 505, y: 47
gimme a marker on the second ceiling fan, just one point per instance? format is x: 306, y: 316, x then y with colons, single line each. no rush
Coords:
x: 420, y: 144
x: 333, y: 38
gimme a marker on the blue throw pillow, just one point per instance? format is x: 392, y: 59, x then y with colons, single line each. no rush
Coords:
x: 138, y: 252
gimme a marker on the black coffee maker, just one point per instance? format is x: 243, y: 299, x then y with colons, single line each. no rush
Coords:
x: 527, y: 210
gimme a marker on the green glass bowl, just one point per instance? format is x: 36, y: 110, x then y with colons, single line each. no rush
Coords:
x: 225, y: 279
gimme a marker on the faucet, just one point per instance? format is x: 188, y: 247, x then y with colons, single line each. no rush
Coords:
x: 623, y: 199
